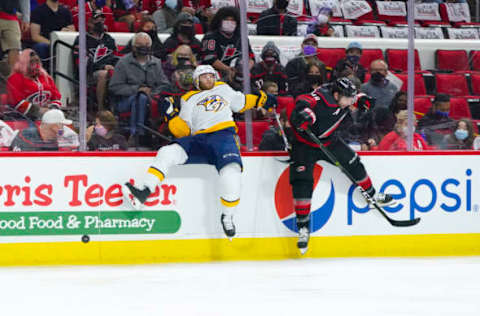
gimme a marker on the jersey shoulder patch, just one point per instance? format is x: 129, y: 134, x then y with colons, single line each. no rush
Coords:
x: 189, y: 94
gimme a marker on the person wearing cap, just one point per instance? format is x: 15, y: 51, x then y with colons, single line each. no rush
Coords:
x: 44, y: 137
x: 270, y: 69
x: 297, y: 68
x: 47, y: 18
x: 277, y: 21
x: 166, y: 16
x: 147, y: 25
x: 183, y: 34
x: 137, y: 76
x: 92, y: 7
x: 437, y: 121
x: 100, y: 52
x: 351, y: 62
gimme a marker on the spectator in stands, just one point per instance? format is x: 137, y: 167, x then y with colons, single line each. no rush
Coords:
x: 461, y: 137
x: 44, y: 137
x: 270, y: 69
x: 103, y: 136
x: 272, y: 138
x: 10, y: 29
x: 436, y: 122
x: 222, y: 46
x: 397, y: 139
x: 166, y: 16
x: 136, y: 78
x: 320, y: 25
x: 182, y: 53
x: 100, y: 53
x: 350, y: 62
x: 202, y: 11
x: 147, y: 25
x: 277, y: 21
x: 47, y: 18
x: 399, y: 102
x: 94, y: 6
x: 297, y: 68
x: 126, y: 11
x: 183, y: 34
x: 379, y: 86
x: 270, y: 87
x: 31, y: 91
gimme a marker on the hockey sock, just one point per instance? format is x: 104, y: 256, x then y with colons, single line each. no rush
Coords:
x: 366, y: 184
x: 229, y: 187
x: 167, y: 156
x: 302, y: 209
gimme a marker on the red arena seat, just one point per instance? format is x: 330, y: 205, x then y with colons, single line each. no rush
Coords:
x: 459, y: 108
x: 475, y: 60
x: 452, y: 60
x: 453, y: 84
x: 284, y: 103
x: 421, y: 106
x: 419, y: 84
x: 369, y: 55
x: 258, y: 128
x: 121, y: 27
x: 397, y: 59
x: 330, y: 56
x: 475, y: 78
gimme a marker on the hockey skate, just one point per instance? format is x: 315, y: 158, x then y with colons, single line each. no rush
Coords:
x: 228, y: 226
x: 135, y: 196
x: 384, y: 199
x: 303, y: 238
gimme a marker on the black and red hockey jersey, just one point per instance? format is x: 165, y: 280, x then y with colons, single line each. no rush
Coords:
x: 261, y: 73
x: 216, y: 46
x: 328, y: 115
x: 100, y: 52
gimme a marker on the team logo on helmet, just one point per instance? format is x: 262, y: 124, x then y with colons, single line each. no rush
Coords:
x: 214, y: 103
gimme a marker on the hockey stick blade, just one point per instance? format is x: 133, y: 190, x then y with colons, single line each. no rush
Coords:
x: 394, y: 222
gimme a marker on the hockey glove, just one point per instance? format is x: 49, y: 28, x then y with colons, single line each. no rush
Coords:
x: 303, y: 119
x: 364, y: 102
x: 167, y: 108
x: 266, y: 100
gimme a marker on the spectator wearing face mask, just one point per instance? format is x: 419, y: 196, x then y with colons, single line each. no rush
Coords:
x: 165, y: 17
x: 270, y: 69
x: 222, y: 46
x: 436, y: 122
x: 397, y: 139
x: 147, y: 25
x: 103, y: 136
x: 126, y: 11
x: 181, y: 54
x: 297, y: 68
x: 31, y: 91
x: 45, y: 137
x: 320, y: 25
x: 92, y: 6
x: 137, y: 77
x: 100, y: 52
x: 276, y: 20
x: 379, y: 86
x: 351, y: 62
x: 461, y: 137
x: 183, y: 34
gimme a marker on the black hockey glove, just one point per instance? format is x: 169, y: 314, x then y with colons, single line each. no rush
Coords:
x: 364, y: 102
x: 167, y: 108
x: 303, y: 119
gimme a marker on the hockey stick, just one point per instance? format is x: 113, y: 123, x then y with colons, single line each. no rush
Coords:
x: 282, y: 132
x: 368, y: 198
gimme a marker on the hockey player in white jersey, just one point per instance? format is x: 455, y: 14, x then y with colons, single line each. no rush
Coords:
x: 206, y: 133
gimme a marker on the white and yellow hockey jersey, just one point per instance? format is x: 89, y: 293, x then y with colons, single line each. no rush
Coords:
x: 211, y: 110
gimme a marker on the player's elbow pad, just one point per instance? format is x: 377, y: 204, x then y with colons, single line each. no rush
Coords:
x: 178, y: 127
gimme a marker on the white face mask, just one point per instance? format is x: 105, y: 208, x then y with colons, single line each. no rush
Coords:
x: 229, y: 26
x: 322, y: 19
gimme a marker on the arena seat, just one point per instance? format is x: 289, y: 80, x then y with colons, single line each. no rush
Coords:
x: 121, y: 27
x: 459, y: 108
x: 258, y: 128
x: 451, y: 60
x: 452, y: 84
x: 421, y: 106
x: 474, y: 58
x: 420, y: 89
x: 330, y: 56
x: 475, y: 81
x: 369, y: 55
x: 397, y: 59
x: 284, y: 102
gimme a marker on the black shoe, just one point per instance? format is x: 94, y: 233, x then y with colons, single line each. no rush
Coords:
x: 135, y: 196
x: 303, y: 238
x: 228, y: 226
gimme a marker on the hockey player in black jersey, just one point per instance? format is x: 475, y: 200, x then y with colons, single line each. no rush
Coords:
x: 322, y: 111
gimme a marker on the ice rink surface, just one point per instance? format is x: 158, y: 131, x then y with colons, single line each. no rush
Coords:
x: 332, y: 287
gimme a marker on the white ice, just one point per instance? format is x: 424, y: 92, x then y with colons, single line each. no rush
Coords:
x: 371, y: 287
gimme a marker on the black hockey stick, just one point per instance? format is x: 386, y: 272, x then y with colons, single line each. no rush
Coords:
x: 368, y: 198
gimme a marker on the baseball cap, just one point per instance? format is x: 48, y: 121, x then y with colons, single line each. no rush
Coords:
x: 97, y: 14
x: 310, y: 36
x: 55, y: 116
x: 353, y: 45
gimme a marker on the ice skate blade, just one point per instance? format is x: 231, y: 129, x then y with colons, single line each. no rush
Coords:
x: 130, y: 199
x: 303, y: 250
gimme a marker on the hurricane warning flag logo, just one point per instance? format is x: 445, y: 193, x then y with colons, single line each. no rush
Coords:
x: 319, y: 215
x: 213, y: 103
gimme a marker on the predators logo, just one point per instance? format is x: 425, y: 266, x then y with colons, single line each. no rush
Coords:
x: 213, y: 103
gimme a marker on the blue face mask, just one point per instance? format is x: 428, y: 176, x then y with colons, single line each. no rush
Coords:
x: 100, y: 3
x: 354, y: 59
x: 461, y: 134
x: 444, y: 114
x: 172, y: 4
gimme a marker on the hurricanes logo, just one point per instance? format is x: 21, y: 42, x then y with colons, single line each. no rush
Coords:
x: 40, y: 98
x: 214, y: 103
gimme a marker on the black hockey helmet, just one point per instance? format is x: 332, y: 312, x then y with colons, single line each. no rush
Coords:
x: 344, y: 87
